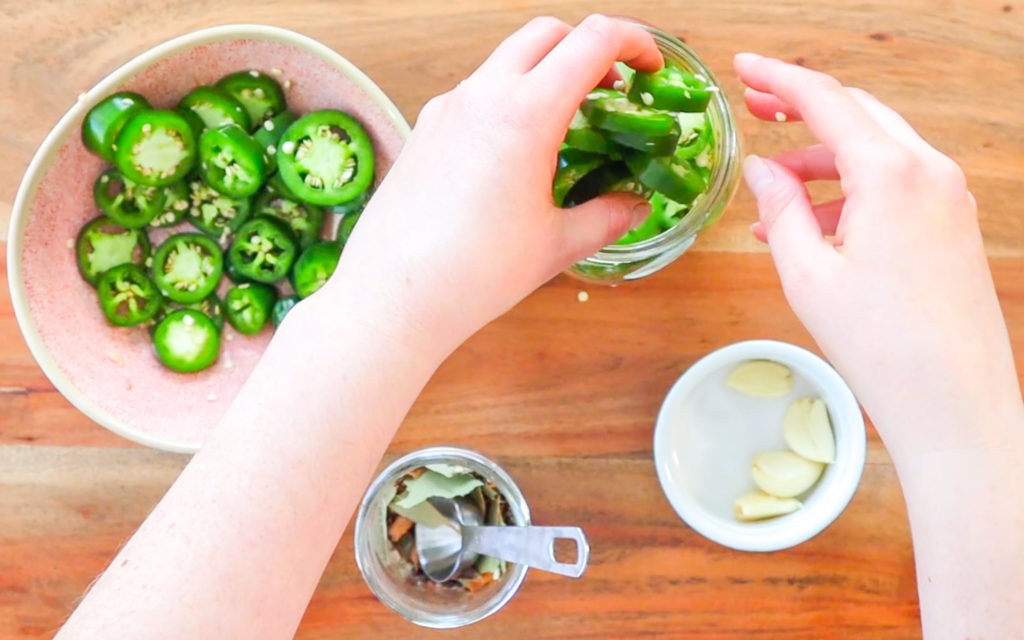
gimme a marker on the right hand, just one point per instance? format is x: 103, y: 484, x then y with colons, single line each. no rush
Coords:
x: 901, y: 300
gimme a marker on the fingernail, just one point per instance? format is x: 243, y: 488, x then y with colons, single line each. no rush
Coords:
x: 747, y: 57
x: 757, y: 174
x: 639, y: 214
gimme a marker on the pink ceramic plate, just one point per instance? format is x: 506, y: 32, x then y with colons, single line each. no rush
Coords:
x: 112, y: 375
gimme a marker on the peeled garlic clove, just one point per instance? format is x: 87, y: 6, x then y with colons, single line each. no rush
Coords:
x: 808, y: 431
x: 761, y: 379
x: 758, y: 505
x: 784, y: 474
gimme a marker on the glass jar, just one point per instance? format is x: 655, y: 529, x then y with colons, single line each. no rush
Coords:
x: 387, y: 575
x: 619, y: 263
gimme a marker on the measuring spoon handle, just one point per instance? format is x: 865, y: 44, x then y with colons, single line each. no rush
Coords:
x: 532, y: 546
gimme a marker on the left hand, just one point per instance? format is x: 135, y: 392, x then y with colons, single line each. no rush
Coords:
x: 464, y: 225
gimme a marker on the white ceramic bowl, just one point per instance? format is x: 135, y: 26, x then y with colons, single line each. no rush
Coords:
x: 707, y: 434
x: 110, y: 374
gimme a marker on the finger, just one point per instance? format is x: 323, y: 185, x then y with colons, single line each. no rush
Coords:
x: 522, y: 50
x: 767, y: 107
x: 599, y: 222
x: 793, y: 233
x: 891, y: 121
x: 810, y: 163
x: 833, y: 115
x: 826, y: 213
x: 583, y: 58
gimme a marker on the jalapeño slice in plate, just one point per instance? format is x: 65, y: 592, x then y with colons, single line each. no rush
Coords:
x: 326, y: 158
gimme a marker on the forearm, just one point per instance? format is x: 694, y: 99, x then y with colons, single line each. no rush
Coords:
x: 966, y: 516
x: 236, y: 547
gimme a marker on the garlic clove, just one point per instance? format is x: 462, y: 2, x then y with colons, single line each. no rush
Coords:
x: 808, y: 431
x: 784, y: 474
x: 758, y: 505
x: 761, y: 379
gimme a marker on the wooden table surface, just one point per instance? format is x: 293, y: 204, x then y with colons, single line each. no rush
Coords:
x: 561, y: 392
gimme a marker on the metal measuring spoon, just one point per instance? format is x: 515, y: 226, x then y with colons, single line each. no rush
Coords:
x: 444, y: 550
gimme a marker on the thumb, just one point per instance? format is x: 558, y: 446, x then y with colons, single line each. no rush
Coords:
x: 599, y: 222
x: 786, y: 215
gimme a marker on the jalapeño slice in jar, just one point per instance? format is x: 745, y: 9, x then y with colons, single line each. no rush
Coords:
x: 187, y: 267
x: 105, y: 120
x: 186, y: 341
x: 326, y: 158
x: 102, y: 244
x: 215, y: 107
x: 269, y: 133
x: 263, y: 251
x: 249, y: 306
x: 573, y: 165
x: 175, y: 206
x: 314, y: 267
x: 671, y: 89
x: 231, y: 161
x: 155, y: 148
x: 260, y: 94
x: 214, y: 213
x: 281, y: 308
x: 127, y: 296
x: 612, y: 111
x: 129, y: 204
x: 305, y: 220
x: 585, y: 137
x: 677, y: 180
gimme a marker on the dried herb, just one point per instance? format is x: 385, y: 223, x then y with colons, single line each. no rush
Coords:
x: 410, y: 506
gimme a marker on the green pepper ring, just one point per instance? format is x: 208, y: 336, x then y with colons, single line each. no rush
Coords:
x: 186, y: 341
x: 326, y: 158
x: 120, y: 290
x: 85, y: 245
x: 192, y: 278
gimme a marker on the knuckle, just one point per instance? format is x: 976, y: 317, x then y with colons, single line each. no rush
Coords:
x: 948, y: 173
x: 546, y: 23
x: 599, y: 24
x: 779, y: 198
x: 899, y: 163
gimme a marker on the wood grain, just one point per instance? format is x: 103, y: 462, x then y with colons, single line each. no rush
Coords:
x: 563, y: 393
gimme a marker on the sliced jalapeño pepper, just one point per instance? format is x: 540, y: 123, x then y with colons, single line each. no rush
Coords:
x: 326, y: 158
x: 664, y: 215
x: 215, y: 107
x: 696, y: 136
x: 186, y: 340
x: 102, y: 244
x: 679, y: 181
x: 612, y: 111
x: 263, y: 250
x: 573, y: 165
x: 175, y: 206
x: 187, y: 267
x: 129, y: 204
x: 346, y: 227
x: 211, y: 306
x: 249, y: 306
x: 305, y: 220
x: 281, y: 308
x: 105, y: 120
x: 260, y: 94
x: 585, y: 137
x: 269, y: 133
x: 596, y: 183
x: 314, y: 267
x: 214, y: 213
x: 671, y: 89
x: 155, y: 148
x: 127, y: 296
x: 231, y: 161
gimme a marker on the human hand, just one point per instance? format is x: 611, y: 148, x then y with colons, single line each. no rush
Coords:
x: 464, y: 225
x: 901, y: 300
